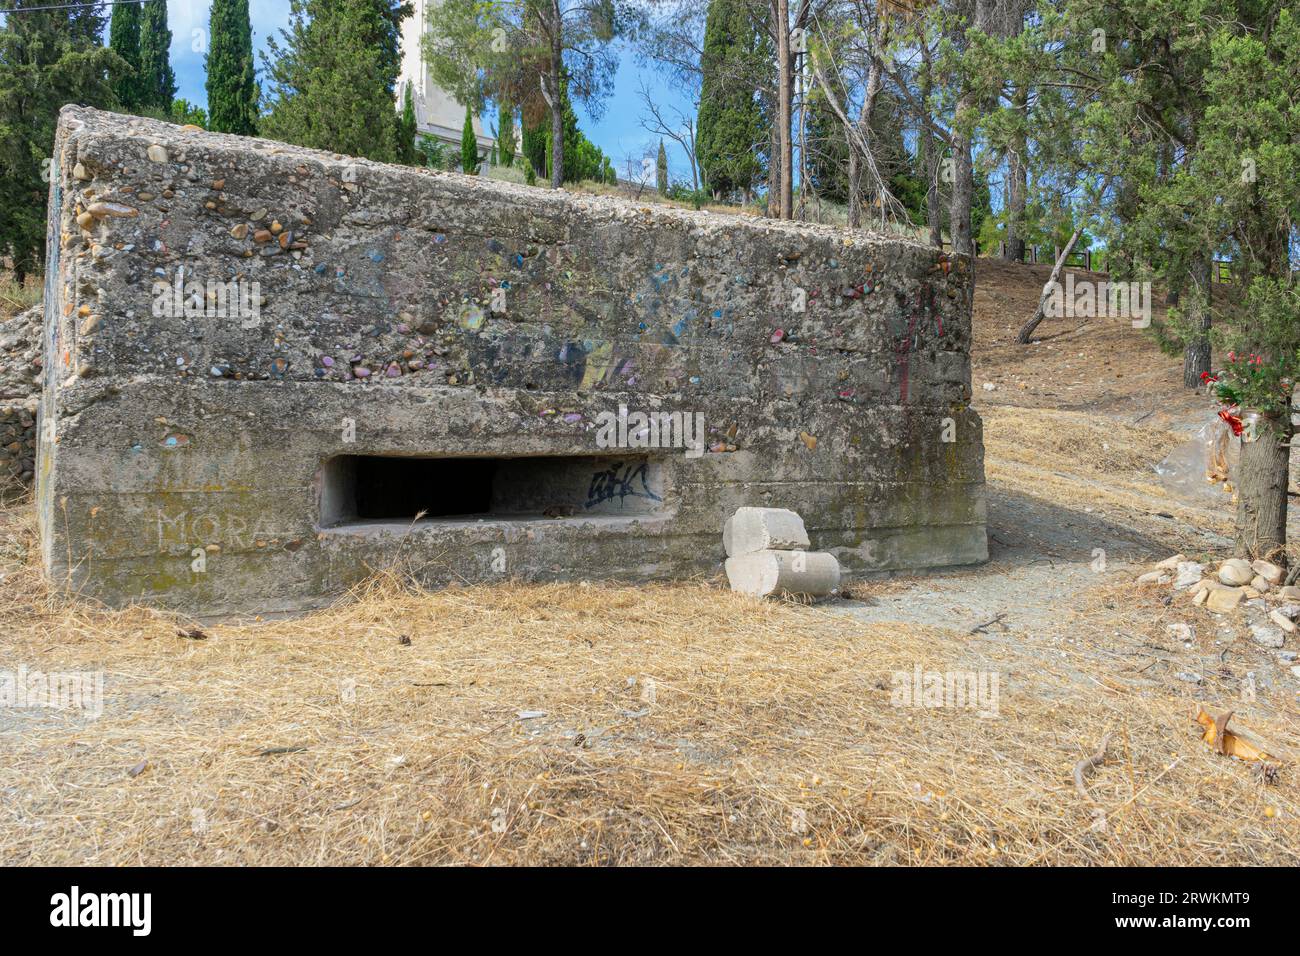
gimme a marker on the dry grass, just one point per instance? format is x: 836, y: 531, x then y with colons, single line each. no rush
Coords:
x: 769, y: 737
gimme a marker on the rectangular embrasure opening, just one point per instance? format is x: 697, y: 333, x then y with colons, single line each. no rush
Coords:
x: 369, y: 489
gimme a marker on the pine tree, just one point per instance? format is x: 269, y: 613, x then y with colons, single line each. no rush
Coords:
x: 731, y: 125
x: 506, y: 134
x: 468, y: 145
x: 231, y: 84
x: 333, y: 77
x: 406, y: 130
x: 157, y: 81
x: 48, y: 58
x: 124, y: 40
x: 661, y: 171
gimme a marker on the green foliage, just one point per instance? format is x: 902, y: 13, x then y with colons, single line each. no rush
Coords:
x: 732, y: 129
x: 406, y: 130
x: 157, y: 81
x: 661, y: 171
x: 432, y: 153
x: 231, y: 83
x: 185, y: 113
x: 506, y: 134
x: 468, y: 145
x: 124, y: 40
x: 530, y: 53
x: 332, y: 77
x: 48, y: 58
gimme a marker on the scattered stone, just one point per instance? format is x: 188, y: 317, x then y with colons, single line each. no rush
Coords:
x: 1266, y: 636
x: 1189, y: 574
x: 1181, y: 632
x: 1289, y: 611
x: 1153, y: 577
x: 1282, y: 621
x: 1259, y: 584
x: 1224, y: 599
x: 157, y: 154
x: 1289, y: 593
x: 1235, y: 572
x: 1269, y: 571
x: 240, y: 231
x: 1251, y: 593
x: 1200, y: 597
x: 1168, y: 564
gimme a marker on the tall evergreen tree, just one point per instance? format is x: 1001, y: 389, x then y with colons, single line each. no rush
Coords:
x: 124, y: 40
x: 231, y: 84
x: 661, y: 171
x: 406, y: 130
x: 732, y: 128
x: 506, y: 134
x: 48, y: 58
x: 157, y: 81
x: 333, y: 77
x: 468, y: 145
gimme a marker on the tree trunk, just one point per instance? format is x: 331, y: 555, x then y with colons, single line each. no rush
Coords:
x: 855, y: 198
x: 774, y: 169
x: 1262, y: 477
x: 930, y: 162
x: 1027, y: 329
x: 1018, y: 174
x: 784, y: 107
x: 1196, y: 355
x: 557, y: 99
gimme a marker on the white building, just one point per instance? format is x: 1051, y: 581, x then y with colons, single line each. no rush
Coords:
x: 437, y: 113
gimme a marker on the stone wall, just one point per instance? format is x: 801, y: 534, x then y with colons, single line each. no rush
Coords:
x: 20, y: 373
x: 368, y: 342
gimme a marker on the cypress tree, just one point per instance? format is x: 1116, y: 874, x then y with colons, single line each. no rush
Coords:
x: 124, y: 40
x: 333, y: 77
x: 48, y: 58
x: 231, y: 84
x: 406, y: 130
x: 661, y: 171
x: 506, y: 134
x: 731, y: 126
x: 468, y: 145
x: 157, y: 81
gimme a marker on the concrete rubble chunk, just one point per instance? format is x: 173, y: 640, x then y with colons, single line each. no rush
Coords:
x: 566, y: 386
x: 751, y: 530
x: 773, y: 573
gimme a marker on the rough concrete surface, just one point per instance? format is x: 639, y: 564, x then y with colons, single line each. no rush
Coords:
x: 369, y: 342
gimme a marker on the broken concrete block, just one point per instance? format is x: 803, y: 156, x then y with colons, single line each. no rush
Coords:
x: 767, y: 573
x: 751, y: 530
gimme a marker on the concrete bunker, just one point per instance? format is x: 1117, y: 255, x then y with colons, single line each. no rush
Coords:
x: 263, y: 362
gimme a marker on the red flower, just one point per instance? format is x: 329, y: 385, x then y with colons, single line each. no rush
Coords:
x: 1234, y: 422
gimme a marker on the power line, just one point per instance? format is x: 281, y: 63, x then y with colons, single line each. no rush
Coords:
x: 70, y: 6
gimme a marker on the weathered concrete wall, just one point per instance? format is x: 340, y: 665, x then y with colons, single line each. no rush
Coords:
x: 193, y: 459
x: 20, y: 374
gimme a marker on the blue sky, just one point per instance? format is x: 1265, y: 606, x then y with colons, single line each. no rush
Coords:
x: 618, y: 132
